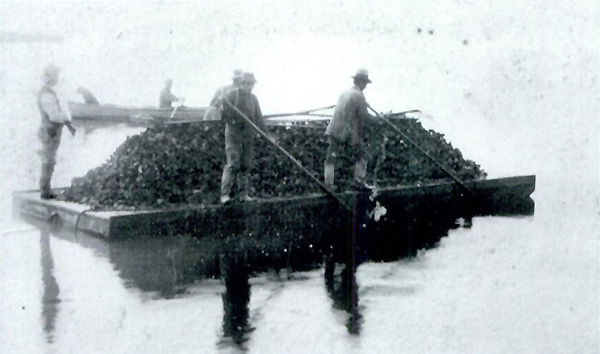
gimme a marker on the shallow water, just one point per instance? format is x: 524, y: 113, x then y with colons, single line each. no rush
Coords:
x: 519, y: 95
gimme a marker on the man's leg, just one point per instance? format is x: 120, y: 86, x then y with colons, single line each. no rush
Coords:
x: 50, y: 143
x: 45, y: 178
x: 232, y: 150
x: 361, y: 158
x: 246, y: 157
x: 330, y: 158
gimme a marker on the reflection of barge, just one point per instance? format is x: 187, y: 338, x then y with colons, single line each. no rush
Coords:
x: 248, y: 239
x: 318, y: 211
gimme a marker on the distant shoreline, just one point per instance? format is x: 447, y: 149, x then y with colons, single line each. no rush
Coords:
x: 28, y: 37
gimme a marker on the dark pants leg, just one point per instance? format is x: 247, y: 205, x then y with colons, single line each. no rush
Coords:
x: 50, y: 142
x: 246, y: 158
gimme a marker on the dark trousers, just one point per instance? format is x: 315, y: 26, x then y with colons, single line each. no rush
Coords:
x: 359, y: 152
x: 240, y: 154
x: 50, y: 138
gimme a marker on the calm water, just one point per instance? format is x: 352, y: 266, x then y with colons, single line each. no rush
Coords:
x: 518, y: 94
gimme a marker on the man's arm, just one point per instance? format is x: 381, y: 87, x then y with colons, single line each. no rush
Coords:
x: 363, y: 108
x: 168, y: 96
x: 217, y: 100
x: 51, y: 106
x: 260, y: 120
x: 229, y: 100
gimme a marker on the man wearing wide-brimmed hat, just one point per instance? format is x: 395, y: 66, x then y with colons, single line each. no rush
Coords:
x: 239, y: 106
x: 216, y: 104
x: 350, y: 117
x: 54, y: 117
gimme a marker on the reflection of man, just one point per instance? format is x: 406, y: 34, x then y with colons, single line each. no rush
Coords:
x: 239, y: 137
x: 236, y: 298
x: 54, y: 117
x: 51, y: 296
x: 350, y: 117
x: 166, y: 97
x: 343, y: 290
x: 216, y: 104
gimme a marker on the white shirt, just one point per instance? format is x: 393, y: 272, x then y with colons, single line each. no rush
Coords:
x: 56, y: 108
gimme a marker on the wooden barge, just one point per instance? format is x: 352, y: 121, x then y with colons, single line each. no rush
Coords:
x: 502, y: 196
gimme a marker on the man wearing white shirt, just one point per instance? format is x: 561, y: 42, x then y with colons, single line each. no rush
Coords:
x: 54, y: 117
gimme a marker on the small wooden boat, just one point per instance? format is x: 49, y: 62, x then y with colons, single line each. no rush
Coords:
x: 137, y: 116
x: 505, y: 196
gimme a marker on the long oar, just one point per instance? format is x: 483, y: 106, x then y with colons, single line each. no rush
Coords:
x: 401, y: 113
x: 456, y: 179
x: 175, y: 110
x: 286, y: 153
x: 303, y: 113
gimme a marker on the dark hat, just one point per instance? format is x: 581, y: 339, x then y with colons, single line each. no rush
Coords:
x: 362, y: 74
x: 248, y: 77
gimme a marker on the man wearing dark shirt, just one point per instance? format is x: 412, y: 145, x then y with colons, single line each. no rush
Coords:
x: 349, y: 118
x: 166, y: 97
x: 216, y: 104
x: 239, y: 137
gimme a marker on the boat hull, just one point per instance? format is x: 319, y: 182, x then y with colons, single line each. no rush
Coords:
x: 312, y: 213
x: 138, y: 116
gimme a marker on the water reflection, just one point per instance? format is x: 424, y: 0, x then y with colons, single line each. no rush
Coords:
x: 50, y: 297
x: 342, y: 288
x: 237, y: 248
x: 164, y: 265
x: 236, y: 298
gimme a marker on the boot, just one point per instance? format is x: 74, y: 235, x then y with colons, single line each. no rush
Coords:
x: 46, y: 191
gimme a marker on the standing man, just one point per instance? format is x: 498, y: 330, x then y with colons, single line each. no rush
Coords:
x: 216, y: 104
x: 350, y: 117
x: 54, y: 117
x: 166, y: 97
x: 239, y: 137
